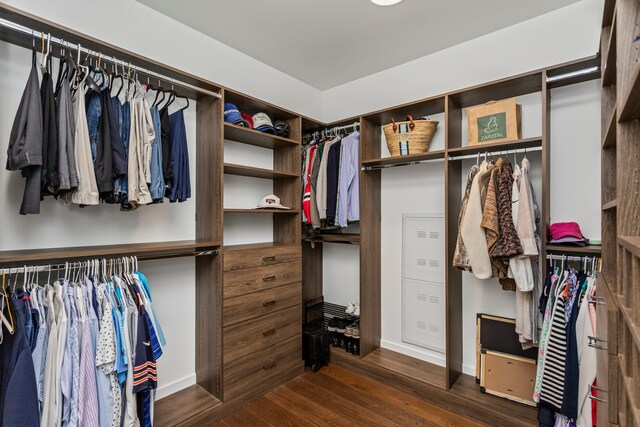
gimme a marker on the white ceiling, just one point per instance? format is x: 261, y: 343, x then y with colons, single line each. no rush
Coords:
x: 326, y: 43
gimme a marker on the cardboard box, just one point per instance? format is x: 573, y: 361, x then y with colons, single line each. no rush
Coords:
x: 495, y: 121
x: 508, y: 376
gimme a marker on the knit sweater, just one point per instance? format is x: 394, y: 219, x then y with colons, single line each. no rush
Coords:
x: 460, y: 257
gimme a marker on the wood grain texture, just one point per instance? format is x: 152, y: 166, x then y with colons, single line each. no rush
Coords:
x: 400, y: 160
x: 254, y: 335
x: 263, y: 365
x: 248, y: 280
x: 178, y: 407
x: 250, y: 306
x: 241, y: 170
x: 408, y: 366
x: 370, y: 241
x: 247, y: 256
x: 312, y: 275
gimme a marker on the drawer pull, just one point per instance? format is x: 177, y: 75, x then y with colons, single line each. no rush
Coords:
x: 269, y: 303
x: 269, y: 278
x: 269, y: 365
x: 269, y: 332
x: 593, y: 342
x: 268, y: 258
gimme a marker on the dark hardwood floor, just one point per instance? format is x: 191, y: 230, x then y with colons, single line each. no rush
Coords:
x: 339, y: 397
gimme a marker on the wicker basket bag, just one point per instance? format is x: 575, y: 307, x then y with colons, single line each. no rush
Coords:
x: 409, y: 137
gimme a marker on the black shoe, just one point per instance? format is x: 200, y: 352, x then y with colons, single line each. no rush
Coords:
x: 355, y: 348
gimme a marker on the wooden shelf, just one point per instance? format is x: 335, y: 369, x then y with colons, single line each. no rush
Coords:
x: 610, y: 205
x: 246, y: 246
x: 262, y: 211
x: 496, y: 146
x: 141, y: 250
x: 609, y: 66
x: 630, y: 107
x: 336, y: 238
x: 591, y: 249
x: 240, y: 170
x: 610, y: 135
x: 404, y: 160
x: 630, y: 243
x: 182, y: 405
x: 253, y: 137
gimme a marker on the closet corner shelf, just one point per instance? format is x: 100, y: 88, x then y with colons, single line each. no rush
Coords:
x: 263, y: 211
x: 176, y: 408
x: 609, y: 67
x: 248, y: 246
x: 241, y: 170
x: 402, y: 160
x: 155, y: 250
x: 257, y: 138
x: 609, y: 139
x: 591, y: 249
x: 630, y: 243
x: 496, y: 146
x: 630, y: 107
x: 610, y: 205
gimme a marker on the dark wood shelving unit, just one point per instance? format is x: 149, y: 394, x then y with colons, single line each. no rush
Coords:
x: 262, y: 211
x: 253, y: 137
x: 240, y: 170
x: 630, y: 107
x: 496, y: 146
x: 405, y: 160
x: 610, y: 135
x: 609, y: 56
x: 336, y: 238
x: 582, y: 250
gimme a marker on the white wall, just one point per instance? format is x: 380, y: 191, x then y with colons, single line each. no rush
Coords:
x: 564, y: 35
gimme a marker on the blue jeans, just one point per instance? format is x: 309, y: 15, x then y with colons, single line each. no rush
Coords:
x: 94, y: 112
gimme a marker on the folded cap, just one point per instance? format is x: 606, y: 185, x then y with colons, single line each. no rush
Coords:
x: 271, y: 202
x: 232, y: 114
x: 247, y: 119
x: 570, y: 240
x: 282, y: 128
x: 262, y: 122
x: 565, y: 229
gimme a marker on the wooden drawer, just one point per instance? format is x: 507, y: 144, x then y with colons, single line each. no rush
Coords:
x: 265, y: 365
x: 248, y: 280
x: 248, y: 337
x: 257, y: 304
x: 272, y: 254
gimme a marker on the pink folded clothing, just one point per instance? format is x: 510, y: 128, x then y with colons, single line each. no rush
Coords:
x: 566, y: 233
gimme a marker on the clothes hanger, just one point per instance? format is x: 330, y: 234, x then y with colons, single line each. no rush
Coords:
x: 10, y: 325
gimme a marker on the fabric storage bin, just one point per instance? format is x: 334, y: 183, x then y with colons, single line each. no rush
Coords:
x: 495, y: 121
x: 410, y: 136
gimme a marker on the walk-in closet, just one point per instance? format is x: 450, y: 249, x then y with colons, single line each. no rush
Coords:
x: 377, y: 212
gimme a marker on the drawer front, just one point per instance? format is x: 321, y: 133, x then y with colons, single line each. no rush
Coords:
x: 265, y: 365
x: 248, y: 280
x: 257, y: 304
x: 248, y: 337
x: 239, y: 259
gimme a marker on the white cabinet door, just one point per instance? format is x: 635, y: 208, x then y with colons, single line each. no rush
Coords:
x: 423, y: 314
x: 423, y: 251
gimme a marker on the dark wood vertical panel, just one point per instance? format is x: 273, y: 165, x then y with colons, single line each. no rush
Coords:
x: 370, y: 253
x: 453, y: 278
x: 286, y: 228
x: 312, y: 276
x: 546, y: 167
x: 209, y: 175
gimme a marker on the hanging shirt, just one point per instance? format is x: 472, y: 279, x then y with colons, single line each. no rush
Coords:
x: 109, y: 394
x: 157, y: 187
x: 306, y: 197
x: 144, y: 372
x: 88, y: 414
x: 68, y: 172
x: 348, y: 208
x: 180, y: 189
x: 50, y: 177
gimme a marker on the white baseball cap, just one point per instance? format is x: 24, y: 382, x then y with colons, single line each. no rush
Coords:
x: 263, y: 123
x: 271, y: 202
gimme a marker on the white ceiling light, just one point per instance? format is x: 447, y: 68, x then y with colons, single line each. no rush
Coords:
x: 385, y: 2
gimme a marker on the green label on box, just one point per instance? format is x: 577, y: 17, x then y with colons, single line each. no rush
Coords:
x: 492, y: 127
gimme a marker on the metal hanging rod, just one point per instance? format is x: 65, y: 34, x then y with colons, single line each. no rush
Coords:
x: 393, y: 165
x: 497, y: 153
x: 576, y: 73
x: 77, y: 47
x: 572, y: 258
x: 351, y: 126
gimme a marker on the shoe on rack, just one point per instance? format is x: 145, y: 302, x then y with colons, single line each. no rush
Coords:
x: 356, y: 310
x: 350, y: 308
x: 355, y: 337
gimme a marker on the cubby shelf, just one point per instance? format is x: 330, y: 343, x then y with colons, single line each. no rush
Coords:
x: 262, y: 211
x: 610, y: 135
x: 241, y: 170
x: 609, y: 66
x: 335, y: 238
x: 630, y: 243
x: 591, y: 249
x: 495, y: 146
x: 142, y: 250
x: 630, y: 107
x: 253, y: 137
